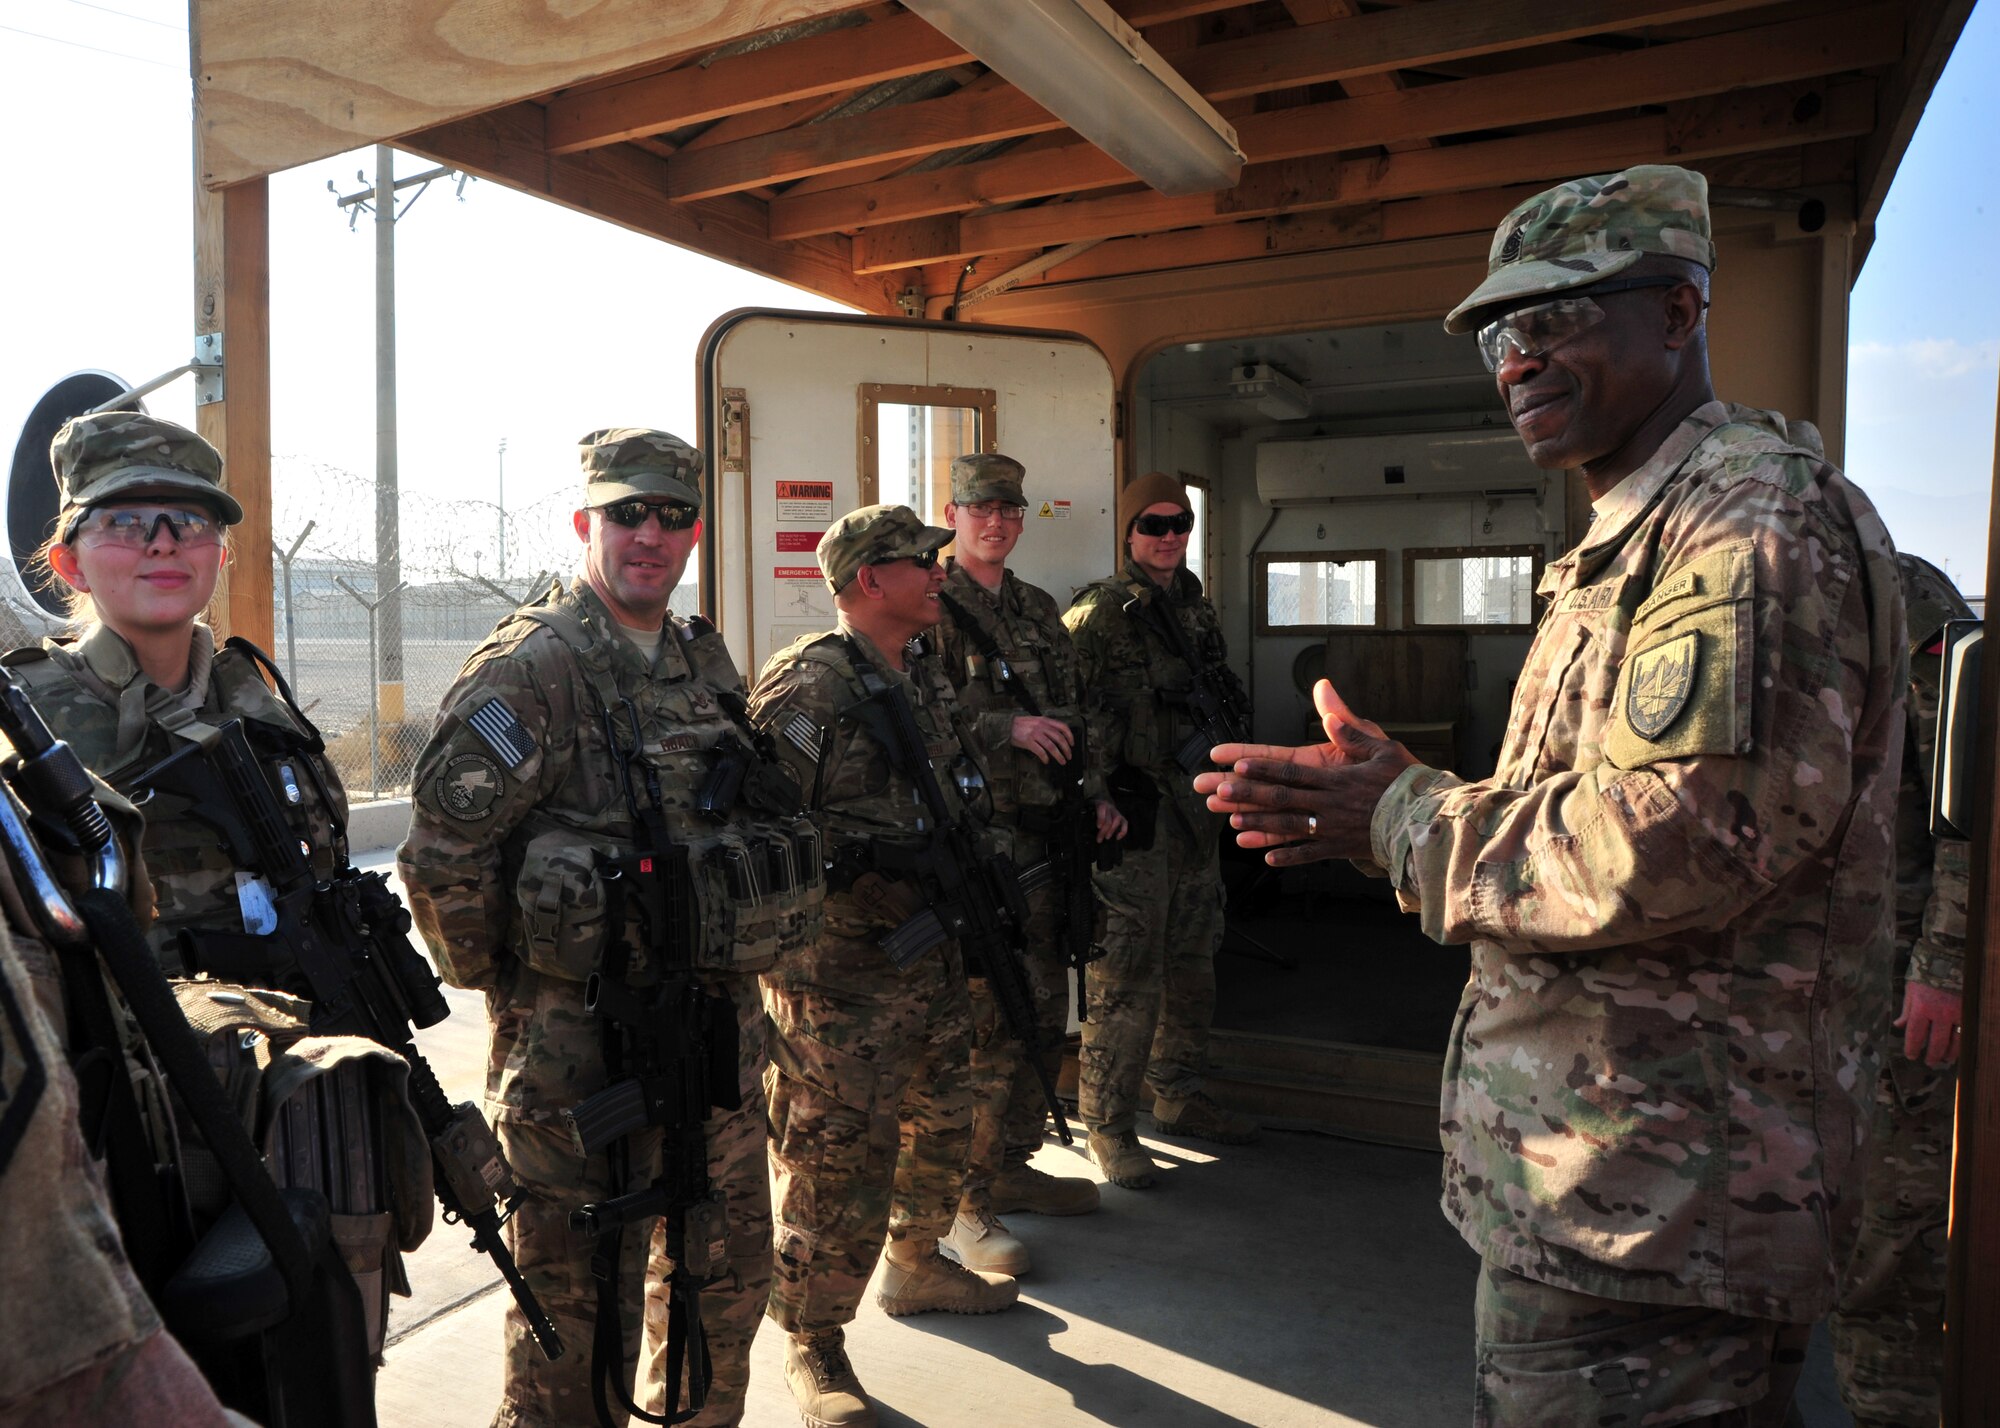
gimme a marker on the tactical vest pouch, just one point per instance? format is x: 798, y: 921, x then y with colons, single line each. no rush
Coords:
x: 760, y: 887
x: 560, y: 901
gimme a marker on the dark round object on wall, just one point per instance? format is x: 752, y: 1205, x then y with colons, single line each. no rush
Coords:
x: 32, y: 498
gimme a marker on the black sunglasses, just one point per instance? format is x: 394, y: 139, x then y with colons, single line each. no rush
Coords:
x: 923, y: 562
x: 673, y: 516
x: 1164, y: 525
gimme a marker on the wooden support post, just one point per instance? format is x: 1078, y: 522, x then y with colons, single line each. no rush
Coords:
x: 1972, y: 1308
x: 232, y: 285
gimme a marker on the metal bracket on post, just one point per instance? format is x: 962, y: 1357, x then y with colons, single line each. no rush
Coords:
x: 209, y: 387
x: 206, y: 364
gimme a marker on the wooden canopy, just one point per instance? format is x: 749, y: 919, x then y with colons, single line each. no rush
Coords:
x: 850, y: 148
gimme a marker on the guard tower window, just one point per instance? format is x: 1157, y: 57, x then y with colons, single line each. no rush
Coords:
x: 1488, y: 588
x: 911, y: 435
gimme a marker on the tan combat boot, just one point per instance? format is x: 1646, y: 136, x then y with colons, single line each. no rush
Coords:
x: 932, y: 1282
x: 823, y: 1382
x: 1036, y: 1192
x: 1199, y: 1117
x: 1122, y: 1159
x: 979, y: 1241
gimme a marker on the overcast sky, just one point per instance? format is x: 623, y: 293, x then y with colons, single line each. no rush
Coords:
x: 522, y: 321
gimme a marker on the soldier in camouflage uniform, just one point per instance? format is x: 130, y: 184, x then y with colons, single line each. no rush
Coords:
x: 93, y: 1349
x: 1015, y: 672
x: 869, y: 1088
x: 1677, y: 882
x: 1888, y: 1331
x: 589, y: 719
x: 1151, y: 987
x: 138, y: 546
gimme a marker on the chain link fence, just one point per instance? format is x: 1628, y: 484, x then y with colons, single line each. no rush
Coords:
x: 464, y: 565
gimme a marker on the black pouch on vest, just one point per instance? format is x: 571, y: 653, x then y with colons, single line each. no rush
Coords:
x: 1138, y: 798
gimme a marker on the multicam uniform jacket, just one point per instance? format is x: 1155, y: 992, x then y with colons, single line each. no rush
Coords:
x: 520, y: 789
x: 1677, y: 886
x: 862, y: 803
x: 1022, y: 620
x: 1933, y: 876
x: 93, y: 694
x: 1130, y: 675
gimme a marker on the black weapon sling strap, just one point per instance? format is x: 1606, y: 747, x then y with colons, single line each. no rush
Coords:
x: 990, y: 651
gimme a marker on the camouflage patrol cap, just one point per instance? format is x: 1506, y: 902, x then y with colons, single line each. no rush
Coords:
x: 1588, y: 229
x: 987, y: 476
x: 872, y: 535
x: 1929, y: 598
x: 114, y: 456
x: 620, y: 462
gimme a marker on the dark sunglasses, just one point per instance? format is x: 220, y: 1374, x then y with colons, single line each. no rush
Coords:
x: 673, y: 516
x: 1164, y: 525
x: 923, y: 562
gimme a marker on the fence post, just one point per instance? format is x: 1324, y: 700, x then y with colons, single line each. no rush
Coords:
x: 374, y: 687
x: 291, y: 621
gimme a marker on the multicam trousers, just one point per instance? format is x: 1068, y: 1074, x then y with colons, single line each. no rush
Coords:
x: 1151, y: 991
x: 555, y: 1260
x: 1548, y: 1356
x: 870, y: 1124
x: 1008, y: 1113
x: 1888, y: 1330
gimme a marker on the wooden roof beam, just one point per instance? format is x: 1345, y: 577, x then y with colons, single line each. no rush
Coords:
x: 283, y: 84
x: 830, y: 63
x: 1800, y: 50
x: 1741, y: 122
x: 627, y: 186
x: 977, y: 114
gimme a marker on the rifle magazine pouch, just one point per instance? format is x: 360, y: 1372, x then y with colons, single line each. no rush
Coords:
x: 561, y: 902
x: 240, y: 1028
x: 760, y: 886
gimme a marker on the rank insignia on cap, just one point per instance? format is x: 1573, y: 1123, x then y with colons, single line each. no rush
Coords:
x: 804, y: 734
x: 494, y: 722
x: 1662, y: 679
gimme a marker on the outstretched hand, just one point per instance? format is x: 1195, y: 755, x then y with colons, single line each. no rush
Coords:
x: 1307, y: 804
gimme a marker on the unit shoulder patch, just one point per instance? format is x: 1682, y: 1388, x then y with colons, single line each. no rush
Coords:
x: 469, y: 786
x: 1662, y: 679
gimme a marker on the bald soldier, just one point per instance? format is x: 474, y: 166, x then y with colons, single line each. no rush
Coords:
x: 870, y: 1092
x: 593, y: 746
x: 1017, y: 677
x: 1677, y: 883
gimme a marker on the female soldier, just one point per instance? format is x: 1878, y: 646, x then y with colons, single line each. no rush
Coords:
x: 137, y: 549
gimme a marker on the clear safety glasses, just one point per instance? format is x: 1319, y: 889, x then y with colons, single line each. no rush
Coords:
x: 1532, y: 331
x: 138, y: 526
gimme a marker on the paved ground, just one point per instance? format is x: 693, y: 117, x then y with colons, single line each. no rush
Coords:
x: 1303, y: 1282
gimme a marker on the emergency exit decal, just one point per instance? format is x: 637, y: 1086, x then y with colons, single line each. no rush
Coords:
x: 1055, y: 510
x: 802, y: 593
x: 805, y: 502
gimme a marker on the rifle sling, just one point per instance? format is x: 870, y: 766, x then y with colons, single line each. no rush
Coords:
x: 989, y: 650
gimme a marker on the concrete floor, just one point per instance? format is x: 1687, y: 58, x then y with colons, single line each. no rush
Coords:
x: 1302, y: 1282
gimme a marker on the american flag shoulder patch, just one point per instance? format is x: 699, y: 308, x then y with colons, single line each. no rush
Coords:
x: 803, y: 733
x: 503, y: 732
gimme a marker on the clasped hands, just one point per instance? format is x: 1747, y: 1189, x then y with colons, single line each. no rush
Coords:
x: 1308, y: 804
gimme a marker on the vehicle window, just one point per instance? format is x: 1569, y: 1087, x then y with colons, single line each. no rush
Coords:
x: 1471, y: 587
x: 911, y: 435
x: 1314, y: 591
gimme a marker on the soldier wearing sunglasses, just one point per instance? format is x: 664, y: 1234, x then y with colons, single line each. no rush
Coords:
x: 592, y: 725
x: 1678, y: 882
x: 1151, y: 987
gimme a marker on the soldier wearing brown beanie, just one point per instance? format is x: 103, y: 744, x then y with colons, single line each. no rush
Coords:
x: 1151, y: 989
